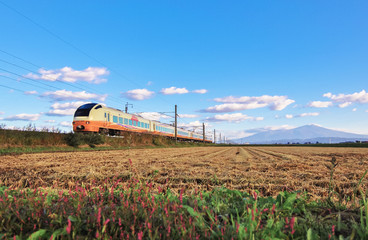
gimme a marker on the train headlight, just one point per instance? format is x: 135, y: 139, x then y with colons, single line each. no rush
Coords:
x: 87, y: 122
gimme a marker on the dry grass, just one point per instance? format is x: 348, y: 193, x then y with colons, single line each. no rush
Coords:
x: 267, y: 169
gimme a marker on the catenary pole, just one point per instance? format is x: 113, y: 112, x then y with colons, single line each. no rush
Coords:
x: 176, y: 123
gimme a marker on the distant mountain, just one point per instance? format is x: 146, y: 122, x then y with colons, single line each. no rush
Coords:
x: 307, y: 133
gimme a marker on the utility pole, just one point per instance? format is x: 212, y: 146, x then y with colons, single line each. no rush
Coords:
x: 214, y: 135
x: 176, y: 123
x: 126, y: 107
x: 204, y: 133
x: 220, y: 139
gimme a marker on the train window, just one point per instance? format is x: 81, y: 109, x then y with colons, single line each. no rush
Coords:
x: 115, y: 119
x: 83, y: 111
x: 99, y: 106
x: 125, y: 121
x: 108, y: 117
x: 105, y: 115
x: 120, y: 120
x: 139, y: 124
x: 130, y: 122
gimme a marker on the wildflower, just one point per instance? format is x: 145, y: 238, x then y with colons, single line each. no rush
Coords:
x: 69, y: 227
x: 292, y: 221
x: 255, y: 195
x: 99, y: 217
x: 333, y: 230
x: 107, y: 221
x: 140, y: 235
x: 273, y: 209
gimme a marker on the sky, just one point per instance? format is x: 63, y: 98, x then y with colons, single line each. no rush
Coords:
x: 240, y: 67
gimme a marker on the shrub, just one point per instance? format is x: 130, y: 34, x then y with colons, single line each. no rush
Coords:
x: 73, y: 139
x: 76, y: 139
x: 93, y: 139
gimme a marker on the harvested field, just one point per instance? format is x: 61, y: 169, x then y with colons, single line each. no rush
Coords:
x: 267, y: 169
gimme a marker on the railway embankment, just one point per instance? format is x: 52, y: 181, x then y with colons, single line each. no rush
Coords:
x: 28, y: 141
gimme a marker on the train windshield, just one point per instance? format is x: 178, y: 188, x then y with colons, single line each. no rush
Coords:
x: 84, y: 110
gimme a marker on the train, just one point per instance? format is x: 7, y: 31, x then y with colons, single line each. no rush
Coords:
x: 97, y: 118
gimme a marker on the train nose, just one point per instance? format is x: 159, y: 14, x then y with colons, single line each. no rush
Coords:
x: 80, y: 127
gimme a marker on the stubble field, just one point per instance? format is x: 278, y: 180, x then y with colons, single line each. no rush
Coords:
x: 266, y: 169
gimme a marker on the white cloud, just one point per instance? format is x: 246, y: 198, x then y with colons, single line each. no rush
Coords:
x: 235, y: 117
x: 68, y: 105
x: 173, y: 90
x: 149, y: 83
x: 154, y: 116
x: 138, y: 94
x: 64, y: 109
x: 188, y: 116
x: 232, y: 104
x: 66, y: 124
x: 61, y: 112
x: 67, y: 74
x: 64, y: 95
x: 23, y: 117
x: 250, y: 132
x: 31, y: 92
x: 345, y: 104
x: 1, y: 113
x: 200, y: 91
x: 49, y: 121
x: 320, y: 104
x: 313, y: 114
x: 354, y: 110
x: 345, y: 100
x: 191, y: 125
x: 232, y: 107
x: 289, y: 116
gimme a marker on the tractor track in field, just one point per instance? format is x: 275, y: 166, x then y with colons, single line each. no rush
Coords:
x: 267, y: 169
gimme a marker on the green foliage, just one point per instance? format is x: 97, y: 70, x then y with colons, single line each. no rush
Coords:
x: 77, y: 139
x: 140, y: 211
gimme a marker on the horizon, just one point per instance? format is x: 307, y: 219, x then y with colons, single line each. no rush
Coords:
x: 239, y: 67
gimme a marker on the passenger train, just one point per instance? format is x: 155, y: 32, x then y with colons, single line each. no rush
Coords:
x: 97, y: 118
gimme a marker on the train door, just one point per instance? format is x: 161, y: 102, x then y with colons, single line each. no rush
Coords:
x: 107, y: 118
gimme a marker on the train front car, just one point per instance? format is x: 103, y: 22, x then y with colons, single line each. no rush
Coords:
x: 87, y: 118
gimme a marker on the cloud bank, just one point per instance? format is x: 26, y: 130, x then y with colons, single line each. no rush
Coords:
x: 67, y: 74
x: 23, y: 117
x: 138, y: 94
x: 64, y: 95
x: 232, y: 104
x: 235, y: 117
x: 64, y: 109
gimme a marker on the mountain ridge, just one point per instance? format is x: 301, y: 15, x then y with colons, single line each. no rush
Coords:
x: 307, y: 133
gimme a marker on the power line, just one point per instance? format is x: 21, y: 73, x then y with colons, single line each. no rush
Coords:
x: 15, y: 89
x: 117, y: 100
x: 74, y: 47
x: 69, y: 44
x: 16, y: 80
x: 29, y: 78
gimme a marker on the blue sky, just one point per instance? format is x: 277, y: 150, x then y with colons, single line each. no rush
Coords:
x: 240, y: 67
